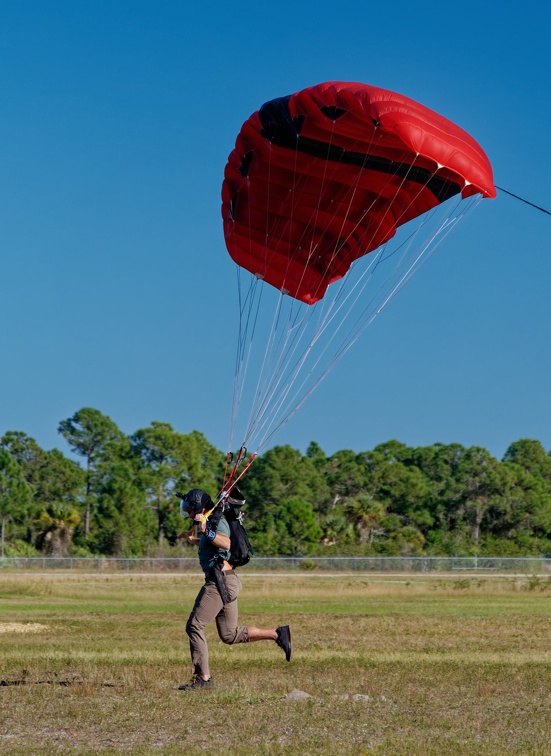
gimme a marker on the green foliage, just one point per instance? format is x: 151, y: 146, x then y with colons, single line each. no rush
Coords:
x: 20, y: 548
x: 167, y: 461
x: 94, y: 436
x: 446, y: 500
x: 299, y: 531
x: 368, y: 515
x: 122, y: 527
x: 50, y: 474
x: 531, y: 457
x: 56, y: 525
x: 15, y: 496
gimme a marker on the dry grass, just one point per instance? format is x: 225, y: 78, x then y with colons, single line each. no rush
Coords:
x: 22, y: 627
x: 392, y: 667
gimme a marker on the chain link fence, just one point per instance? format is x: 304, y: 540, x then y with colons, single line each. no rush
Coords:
x: 518, y: 565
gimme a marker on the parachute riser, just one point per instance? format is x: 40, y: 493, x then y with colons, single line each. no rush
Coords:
x: 234, y: 478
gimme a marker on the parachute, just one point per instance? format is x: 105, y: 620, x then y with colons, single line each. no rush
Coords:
x: 326, y: 175
x: 324, y: 188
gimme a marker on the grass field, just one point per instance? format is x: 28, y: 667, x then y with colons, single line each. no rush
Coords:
x: 392, y: 666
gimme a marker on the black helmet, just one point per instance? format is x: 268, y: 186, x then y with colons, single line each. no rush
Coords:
x: 194, y: 502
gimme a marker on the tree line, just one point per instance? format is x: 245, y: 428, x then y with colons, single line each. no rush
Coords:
x: 392, y: 500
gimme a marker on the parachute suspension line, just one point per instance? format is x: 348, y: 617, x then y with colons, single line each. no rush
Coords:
x: 342, y: 240
x: 244, y: 324
x: 298, y: 366
x: 292, y: 374
x: 243, y: 352
x: 278, y: 394
x: 526, y: 202
x: 264, y: 393
x: 255, y: 284
x: 398, y: 219
x: 411, y: 203
x: 273, y: 347
x: 261, y: 391
x: 246, y: 341
x: 313, y: 220
x: 351, y: 192
x: 288, y: 341
x: 294, y: 198
x: 360, y: 326
x: 268, y: 350
x: 342, y: 288
x: 368, y: 315
x: 243, y: 365
x: 375, y: 309
x: 282, y: 368
x: 446, y: 227
x: 312, y: 212
x: 268, y: 394
x: 289, y: 345
x: 247, y: 326
x: 333, y: 306
x: 421, y: 254
x: 287, y: 354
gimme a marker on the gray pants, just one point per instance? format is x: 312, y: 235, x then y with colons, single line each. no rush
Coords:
x: 208, y: 606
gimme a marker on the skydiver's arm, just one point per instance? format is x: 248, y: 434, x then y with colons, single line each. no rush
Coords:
x: 220, y: 540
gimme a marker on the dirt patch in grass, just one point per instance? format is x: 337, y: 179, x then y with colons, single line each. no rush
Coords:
x: 22, y: 627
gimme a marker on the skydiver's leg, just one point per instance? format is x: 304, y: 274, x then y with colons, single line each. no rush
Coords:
x: 261, y: 633
x: 208, y: 605
x: 226, y: 620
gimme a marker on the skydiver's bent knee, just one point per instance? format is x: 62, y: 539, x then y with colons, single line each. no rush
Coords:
x: 233, y: 635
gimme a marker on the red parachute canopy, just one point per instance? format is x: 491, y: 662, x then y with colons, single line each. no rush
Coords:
x: 321, y: 177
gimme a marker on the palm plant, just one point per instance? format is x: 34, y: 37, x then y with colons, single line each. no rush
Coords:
x: 56, y: 525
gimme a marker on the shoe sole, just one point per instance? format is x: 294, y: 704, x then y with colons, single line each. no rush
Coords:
x: 288, y: 656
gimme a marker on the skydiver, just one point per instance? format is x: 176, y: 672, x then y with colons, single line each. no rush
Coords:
x: 217, y: 599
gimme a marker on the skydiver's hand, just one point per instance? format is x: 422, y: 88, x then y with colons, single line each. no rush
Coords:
x: 202, y: 526
x: 189, y: 538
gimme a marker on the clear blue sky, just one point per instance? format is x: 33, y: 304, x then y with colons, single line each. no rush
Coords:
x: 116, y: 290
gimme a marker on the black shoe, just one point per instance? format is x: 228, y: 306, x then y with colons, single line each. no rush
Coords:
x: 284, y: 640
x: 197, y: 684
